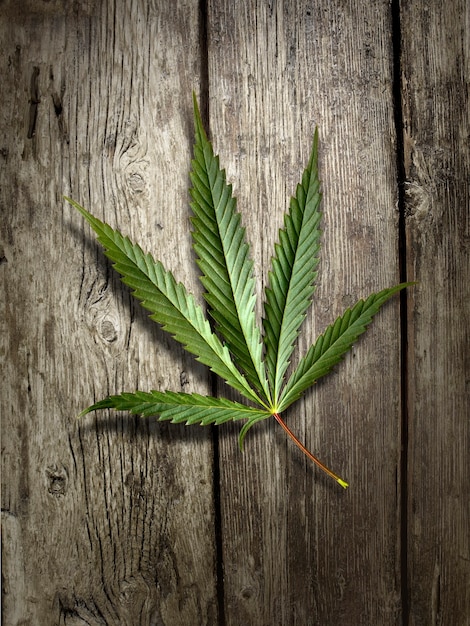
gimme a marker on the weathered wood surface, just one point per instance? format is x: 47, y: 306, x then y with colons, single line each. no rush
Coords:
x: 306, y: 553
x: 111, y: 520
x: 436, y: 110
x: 106, y: 521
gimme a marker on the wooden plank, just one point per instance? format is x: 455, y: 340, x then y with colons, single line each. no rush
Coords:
x: 297, y: 549
x: 436, y: 72
x: 106, y: 520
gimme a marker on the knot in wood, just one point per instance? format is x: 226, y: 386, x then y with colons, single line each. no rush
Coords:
x: 108, y: 331
x: 57, y: 478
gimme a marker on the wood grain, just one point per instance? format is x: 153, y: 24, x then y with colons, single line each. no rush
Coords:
x: 297, y: 549
x: 110, y: 520
x: 107, y: 520
x: 436, y: 74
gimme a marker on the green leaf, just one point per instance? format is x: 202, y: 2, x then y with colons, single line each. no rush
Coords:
x: 291, y: 280
x: 246, y: 427
x: 331, y: 346
x: 169, y: 303
x: 223, y: 255
x: 188, y: 408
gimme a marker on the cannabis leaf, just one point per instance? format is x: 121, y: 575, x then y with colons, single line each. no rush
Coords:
x: 224, y: 258
x: 253, y: 363
x: 293, y: 273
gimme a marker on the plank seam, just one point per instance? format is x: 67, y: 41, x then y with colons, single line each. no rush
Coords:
x: 218, y: 536
x: 402, y: 479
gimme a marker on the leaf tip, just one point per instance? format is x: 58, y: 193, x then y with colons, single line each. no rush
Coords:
x: 195, y: 105
x: 79, y: 207
x: 197, y: 112
x: 343, y: 483
x: 246, y: 427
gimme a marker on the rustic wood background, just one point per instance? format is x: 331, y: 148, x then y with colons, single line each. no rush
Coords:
x: 117, y: 521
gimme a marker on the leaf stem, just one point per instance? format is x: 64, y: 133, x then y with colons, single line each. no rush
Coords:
x: 309, y: 454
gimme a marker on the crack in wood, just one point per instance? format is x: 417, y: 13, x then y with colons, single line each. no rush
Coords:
x: 34, y: 101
